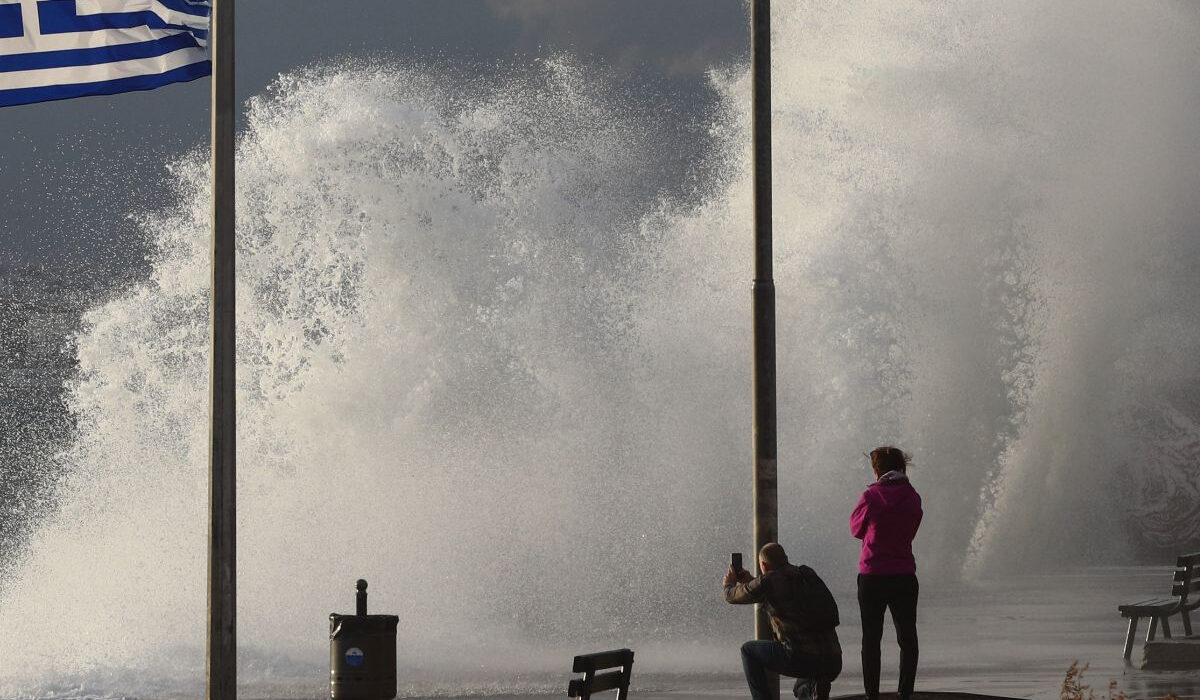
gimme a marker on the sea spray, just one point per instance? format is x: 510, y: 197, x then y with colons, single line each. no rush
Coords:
x: 439, y: 382
x: 483, y: 365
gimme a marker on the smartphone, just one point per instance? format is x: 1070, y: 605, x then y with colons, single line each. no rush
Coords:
x: 736, y: 561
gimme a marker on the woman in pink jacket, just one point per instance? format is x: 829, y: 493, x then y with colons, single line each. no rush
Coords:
x: 886, y: 520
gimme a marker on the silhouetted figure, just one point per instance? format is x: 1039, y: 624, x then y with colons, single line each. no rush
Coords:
x: 803, y: 616
x: 886, y: 520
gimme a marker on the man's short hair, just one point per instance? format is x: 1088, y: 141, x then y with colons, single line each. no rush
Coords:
x: 773, y: 554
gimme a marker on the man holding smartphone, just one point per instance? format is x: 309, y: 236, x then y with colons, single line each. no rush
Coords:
x: 804, y: 617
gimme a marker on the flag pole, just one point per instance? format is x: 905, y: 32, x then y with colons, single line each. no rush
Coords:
x: 766, y: 521
x: 222, y: 541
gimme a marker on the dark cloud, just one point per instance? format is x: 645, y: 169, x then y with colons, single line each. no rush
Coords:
x: 672, y: 36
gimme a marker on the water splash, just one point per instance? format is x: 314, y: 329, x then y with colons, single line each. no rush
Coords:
x: 485, y: 367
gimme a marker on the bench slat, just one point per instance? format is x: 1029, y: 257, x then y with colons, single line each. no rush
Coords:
x: 1147, y: 606
x: 1147, y: 602
x: 602, y: 660
x: 1185, y: 587
x: 1188, y: 560
x: 599, y: 684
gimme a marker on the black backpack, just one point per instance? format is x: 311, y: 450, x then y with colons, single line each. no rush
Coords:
x: 818, y: 611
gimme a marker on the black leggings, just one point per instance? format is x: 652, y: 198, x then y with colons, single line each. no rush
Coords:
x: 875, y: 594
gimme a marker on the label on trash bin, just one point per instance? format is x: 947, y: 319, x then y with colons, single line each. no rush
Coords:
x: 354, y: 656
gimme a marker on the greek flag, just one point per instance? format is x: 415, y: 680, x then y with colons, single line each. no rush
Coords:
x: 57, y: 49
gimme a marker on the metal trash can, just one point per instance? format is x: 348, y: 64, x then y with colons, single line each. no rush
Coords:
x: 362, y: 653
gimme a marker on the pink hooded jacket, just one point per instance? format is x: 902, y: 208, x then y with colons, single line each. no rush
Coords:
x: 886, y: 520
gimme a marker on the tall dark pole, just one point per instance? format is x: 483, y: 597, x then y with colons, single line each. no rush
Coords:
x: 222, y: 533
x: 766, y: 519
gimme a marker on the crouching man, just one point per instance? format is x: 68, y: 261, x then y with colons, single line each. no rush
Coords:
x: 803, y: 616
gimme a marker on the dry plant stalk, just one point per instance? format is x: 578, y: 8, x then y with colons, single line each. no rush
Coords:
x: 1073, y: 687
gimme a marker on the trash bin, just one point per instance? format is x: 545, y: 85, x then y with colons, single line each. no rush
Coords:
x: 362, y: 653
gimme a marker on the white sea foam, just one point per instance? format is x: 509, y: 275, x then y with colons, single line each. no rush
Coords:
x: 479, y: 367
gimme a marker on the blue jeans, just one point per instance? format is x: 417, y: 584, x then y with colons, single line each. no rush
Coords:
x: 760, y: 656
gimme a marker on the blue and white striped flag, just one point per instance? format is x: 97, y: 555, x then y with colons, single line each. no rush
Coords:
x: 56, y: 49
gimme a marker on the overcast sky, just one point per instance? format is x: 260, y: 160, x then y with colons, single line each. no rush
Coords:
x: 70, y: 170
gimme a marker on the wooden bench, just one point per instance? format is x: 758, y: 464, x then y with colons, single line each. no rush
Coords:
x: 1185, y: 583
x: 589, y: 664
